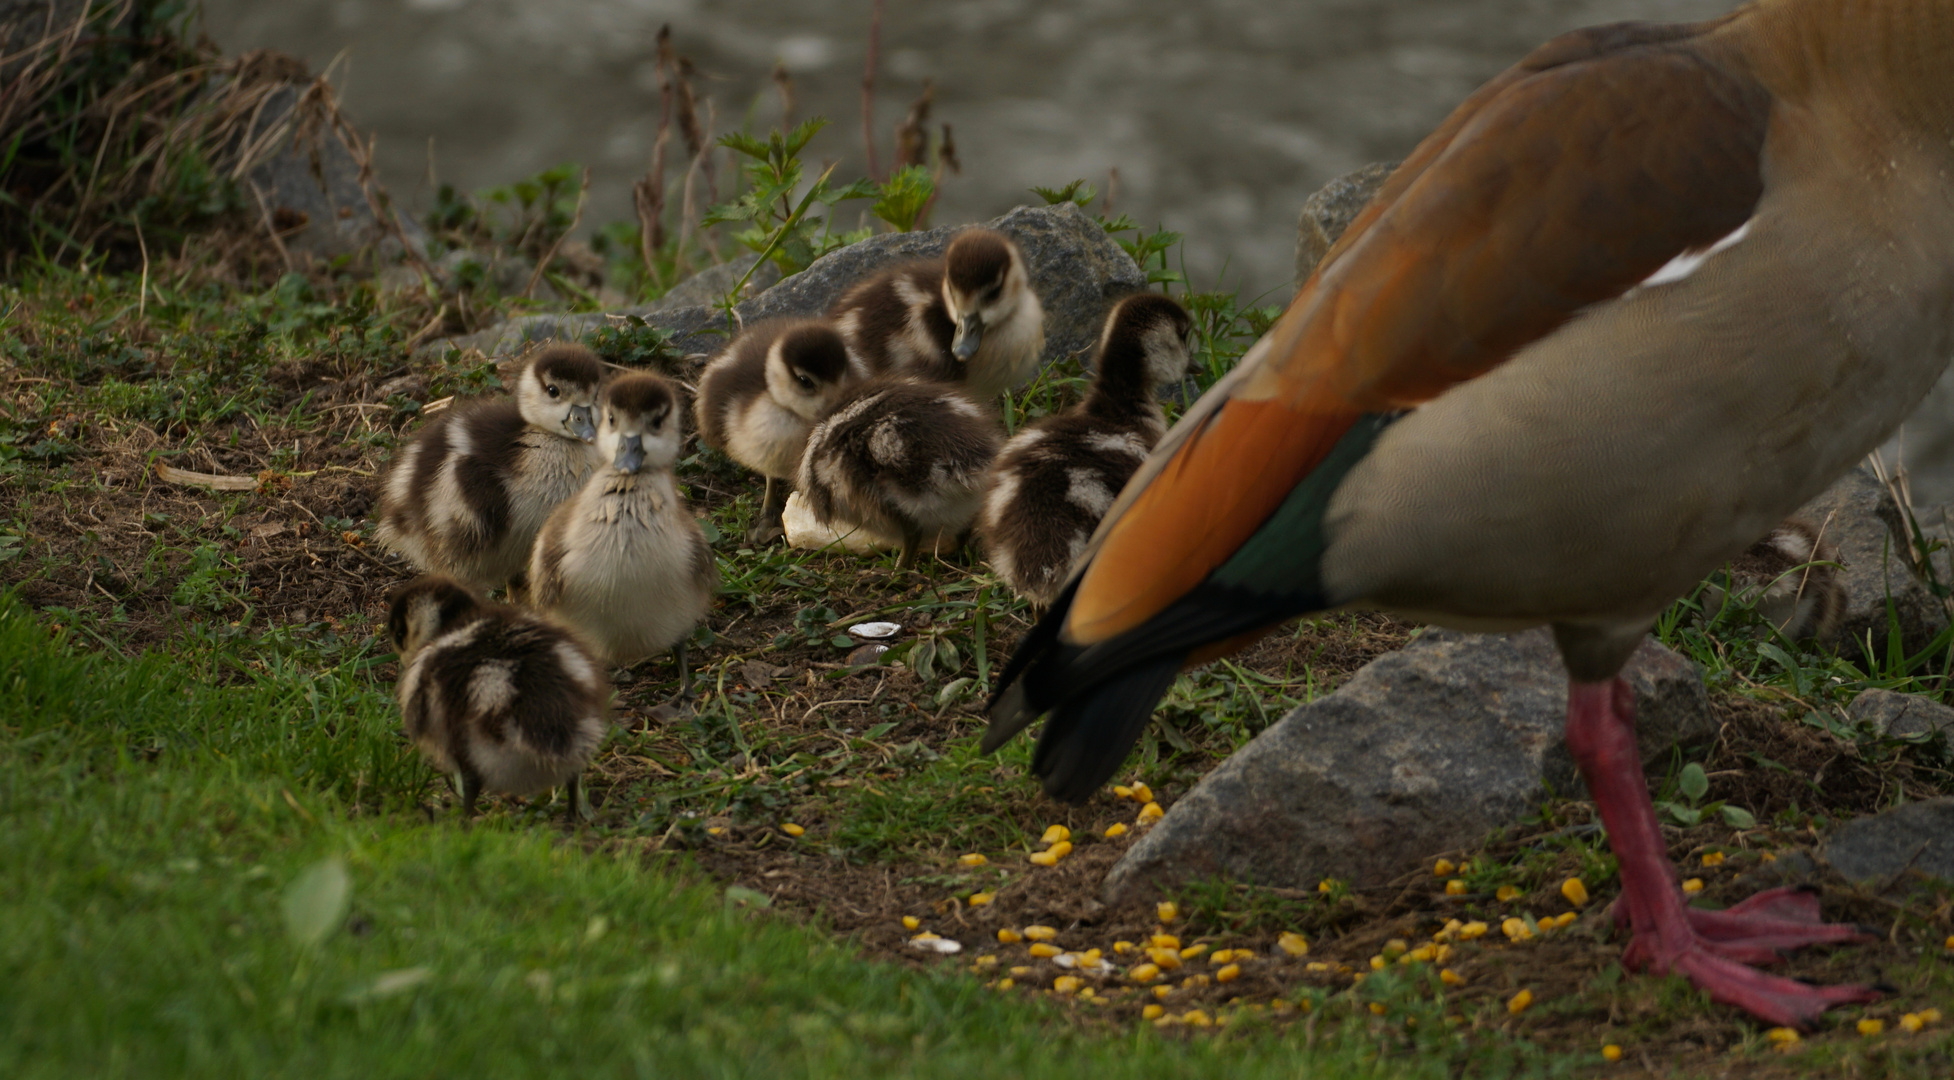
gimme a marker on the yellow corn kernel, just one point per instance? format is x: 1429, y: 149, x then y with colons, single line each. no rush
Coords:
x: 1151, y: 812
x: 1693, y: 886
x: 1116, y: 830
x: 1444, y: 868
x: 1450, y: 977
x: 1123, y: 947
x: 1196, y: 1018
x: 1162, y: 991
x: 911, y: 922
x: 988, y: 960
x: 1870, y: 1027
x: 1142, y: 793
x: 1378, y: 963
x: 1044, y: 858
x: 1044, y: 951
x: 1455, y: 887
x: 1316, y: 965
x: 1229, y: 973
x: 1767, y: 857
x: 1040, y: 933
x: 1021, y: 970
x: 1423, y: 953
x: 1912, y: 1022
x: 1008, y: 936
x: 1519, y: 1002
x: 1066, y: 984
x: 1221, y: 956
x: 1451, y: 927
x: 715, y: 830
x: 1061, y: 849
x: 1515, y: 929
x: 1165, y: 941
x: 1092, y: 956
x: 1330, y: 884
x: 1293, y: 943
x: 1576, y: 891
x: 1194, y: 952
x: 1930, y: 1016
x: 927, y: 936
x: 1152, y: 1012
x: 1949, y: 942
x: 1193, y: 981
x: 1167, y: 911
x: 1396, y: 947
x: 1441, y: 954
x: 1168, y: 959
x: 1506, y: 892
x: 1473, y: 929
x: 1087, y: 994
x: 1713, y: 858
x: 792, y: 829
x: 1783, y: 1036
x: 1122, y: 791
x: 1611, y: 1052
x: 980, y: 899
x: 973, y: 859
x: 1377, y: 1007
x: 1055, y: 833
x: 1004, y: 984
x: 1144, y: 973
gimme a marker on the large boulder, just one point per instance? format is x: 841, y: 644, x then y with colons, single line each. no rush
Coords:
x: 1330, y: 211
x: 1423, y: 751
x: 1901, y: 716
x: 1907, y: 842
x: 1859, y: 516
x: 1077, y: 270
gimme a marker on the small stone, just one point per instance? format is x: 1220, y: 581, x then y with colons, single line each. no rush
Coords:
x: 1328, y: 212
x: 1914, y: 839
x: 1900, y: 715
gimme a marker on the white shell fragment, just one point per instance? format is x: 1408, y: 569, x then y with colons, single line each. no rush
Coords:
x: 875, y: 629
x: 1079, y: 961
x: 933, y: 943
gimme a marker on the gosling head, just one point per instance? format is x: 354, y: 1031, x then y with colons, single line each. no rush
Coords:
x: 808, y: 369
x: 640, y: 427
x: 425, y: 608
x: 984, y: 283
x: 558, y: 391
x: 1147, y: 334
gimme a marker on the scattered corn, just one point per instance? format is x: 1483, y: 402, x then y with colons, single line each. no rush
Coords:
x: 1122, y: 791
x: 1162, y: 991
x: 1767, y: 857
x: 1004, y: 984
x: 1221, y: 956
x: 1441, y: 954
x: 1040, y: 933
x: 1455, y: 887
x: 1424, y: 954
x: 715, y: 830
x: 1167, y: 911
x: 1377, y: 963
x: 1444, y: 868
x: 1168, y: 959
x: 1044, y: 951
x: 1092, y: 956
x: 1783, y: 1036
x: 1193, y: 981
x: 1316, y: 965
x: 1377, y: 1007
x: 911, y: 922
x: 1930, y: 1016
x: 1912, y: 1022
x: 1515, y: 929
x: 1055, y: 833
x: 1870, y: 1027
x: 1566, y: 919
x: 792, y: 829
x: 1330, y: 884
x: 973, y: 859
x: 1008, y: 936
x: 1066, y: 984
x: 1021, y: 970
x: 1713, y: 858
x: 1144, y: 973
x: 1506, y: 892
x: 1044, y: 858
x: 1231, y: 973
x: 1194, y: 952
x: 1116, y: 830
x: 1152, y: 1012
x: 1142, y: 793
x: 1611, y: 1052
x: 1950, y: 942
x: 1151, y: 812
x: 1693, y: 886
x: 1396, y: 947
x: 1473, y: 929
x: 981, y: 899
x: 1293, y: 943
x: 1450, y: 977
x: 1519, y: 1002
x: 1196, y: 1018
x: 1165, y: 941
x: 1576, y: 891
x: 1123, y: 947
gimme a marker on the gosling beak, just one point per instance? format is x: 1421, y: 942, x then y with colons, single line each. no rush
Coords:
x: 630, y: 453
x: 970, y: 334
x: 580, y: 424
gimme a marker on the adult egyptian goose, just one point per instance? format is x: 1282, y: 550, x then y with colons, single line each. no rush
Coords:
x: 624, y: 562
x: 495, y: 697
x: 760, y: 397
x: 970, y: 317
x: 1636, y: 300
x: 467, y: 496
x: 904, y: 457
x: 1056, y: 478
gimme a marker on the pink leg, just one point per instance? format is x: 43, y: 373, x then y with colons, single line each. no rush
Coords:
x: 1710, y: 949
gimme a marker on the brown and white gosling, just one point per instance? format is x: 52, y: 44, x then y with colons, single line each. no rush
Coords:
x: 1791, y: 579
x: 468, y: 495
x: 1055, y: 479
x: 902, y: 456
x: 624, y: 562
x: 495, y: 697
x: 759, y: 398
x: 970, y: 317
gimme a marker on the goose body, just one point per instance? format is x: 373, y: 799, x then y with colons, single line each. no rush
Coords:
x: 496, y: 697
x: 970, y: 317
x: 624, y: 562
x: 468, y: 494
x: 1634, y: 302
x: 760, y: 397
x: 1056, y: 478
x: 905, y: 457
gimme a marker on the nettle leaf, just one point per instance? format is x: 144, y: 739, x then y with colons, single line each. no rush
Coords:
x: 315, y: 902
x: 1684, y: 815
x: 1738, y: 818
x: 745, y: 144
x: 903, y: 196
x: 1692, y: 782
x: 799, y: 137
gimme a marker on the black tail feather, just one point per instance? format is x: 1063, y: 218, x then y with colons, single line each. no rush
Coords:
x: 1089, y: 735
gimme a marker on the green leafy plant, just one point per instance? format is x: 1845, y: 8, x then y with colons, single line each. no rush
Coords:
x: 1683, y: 801
x: 778, y: 227
x: 633, y: 342
x: 902, y: 199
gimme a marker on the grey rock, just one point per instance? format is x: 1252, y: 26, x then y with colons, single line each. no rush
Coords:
x: 310, y: 181
x: 1424, y: 750
x: 709, y: 286
x: 1917, y: 838
x: 1330, y: 211
x: 1901, y: 715
x: 1859, y: 517
x: 1077, y: 270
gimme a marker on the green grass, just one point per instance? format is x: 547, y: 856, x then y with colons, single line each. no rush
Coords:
x: 152, y: 827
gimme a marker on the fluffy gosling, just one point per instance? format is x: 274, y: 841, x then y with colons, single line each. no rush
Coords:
x: 902, y: 456
x: 760, y: 397
x: 624, y: 562
x: 495, y: 697
x: 467, y: 496
x: 1056, y: 478
x: 970, y: 317
x: 1791, y: 579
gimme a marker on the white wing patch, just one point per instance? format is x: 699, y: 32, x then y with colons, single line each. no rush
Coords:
x: 1689, y: 262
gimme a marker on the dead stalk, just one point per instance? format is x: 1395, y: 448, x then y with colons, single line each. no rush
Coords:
x: 576, y: 218
x: 868, y: 86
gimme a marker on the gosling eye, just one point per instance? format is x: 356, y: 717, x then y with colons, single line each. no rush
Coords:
x: 805, y: 383
x: 551, y: 387
x: 995, y: 291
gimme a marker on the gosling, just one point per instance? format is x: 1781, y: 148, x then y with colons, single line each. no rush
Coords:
x: 970, y: 317
x: 624, y: 562
x: 902, y: 456
x: 1055, y: 479
x: 495, y: 697
x: 1791, y: 579
x: 467, y: 496
x: 759, y: 398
